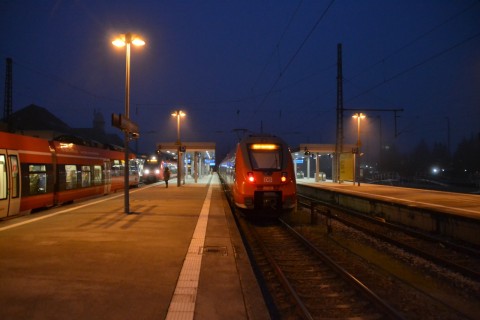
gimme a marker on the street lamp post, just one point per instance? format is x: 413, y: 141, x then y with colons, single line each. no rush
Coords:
x: 126, y: 40
x: 179, y: 114
x: 359, y: 117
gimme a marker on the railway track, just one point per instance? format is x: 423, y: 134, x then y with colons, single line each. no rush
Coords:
x: 409, y: 268
x: 304, y: 282
x: 295, y: 283
x: 447, y: 254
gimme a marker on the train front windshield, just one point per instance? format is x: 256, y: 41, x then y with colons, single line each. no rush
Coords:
x: 265, y: 156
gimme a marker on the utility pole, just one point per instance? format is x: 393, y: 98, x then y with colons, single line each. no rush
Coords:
x: 339, y: 137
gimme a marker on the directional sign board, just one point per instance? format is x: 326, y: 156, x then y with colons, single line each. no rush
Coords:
x: 124, y: 124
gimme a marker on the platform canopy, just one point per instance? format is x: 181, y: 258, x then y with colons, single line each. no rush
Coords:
x: 206, y: 149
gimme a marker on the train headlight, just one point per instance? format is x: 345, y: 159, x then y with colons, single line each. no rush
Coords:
x: 284, y: 177
x: 157, y: 171
x: 146, y: 171
x: 250, y: 177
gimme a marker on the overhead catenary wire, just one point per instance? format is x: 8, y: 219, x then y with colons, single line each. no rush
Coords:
x: 282, y: 72
x: 275, y: 50
x: 415, y: 66
x: 274, y: 88
x: 416, y: 39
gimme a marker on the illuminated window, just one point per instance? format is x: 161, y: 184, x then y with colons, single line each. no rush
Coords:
x: 37, y: 176
x: 117, y: 168
x: 70, y: 176
x: 97, y: 175
x: 86, y: 176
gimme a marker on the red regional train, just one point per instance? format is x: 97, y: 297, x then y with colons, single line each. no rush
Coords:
x: 260, y: 175
x: 37, y: 173
x: 154, y: 167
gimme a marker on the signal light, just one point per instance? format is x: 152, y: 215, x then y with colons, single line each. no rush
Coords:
x: 250, y: 177
x: 284, y: 177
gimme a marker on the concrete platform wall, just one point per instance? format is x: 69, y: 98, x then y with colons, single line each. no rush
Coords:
x: 454, y: 226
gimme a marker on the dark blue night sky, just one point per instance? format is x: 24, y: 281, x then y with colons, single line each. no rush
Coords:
x: 256, y: 65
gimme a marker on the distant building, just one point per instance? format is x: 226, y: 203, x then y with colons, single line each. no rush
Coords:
x: 38, y: 122
x: 97, y: 132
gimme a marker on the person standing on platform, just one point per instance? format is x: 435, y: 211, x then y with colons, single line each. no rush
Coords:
x: 166, y: 176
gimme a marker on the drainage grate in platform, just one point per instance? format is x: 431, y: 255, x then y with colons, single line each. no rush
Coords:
x: 216, y: 250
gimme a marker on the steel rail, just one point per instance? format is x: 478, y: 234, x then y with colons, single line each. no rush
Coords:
x: 435, y: 259
x: 372, y: 296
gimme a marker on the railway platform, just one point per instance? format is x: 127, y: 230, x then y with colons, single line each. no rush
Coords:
x: 455, y: 215
x: 464, y: 204
x: 176, y: 255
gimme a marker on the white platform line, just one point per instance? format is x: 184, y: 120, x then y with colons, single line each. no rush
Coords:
x: 183, y: 301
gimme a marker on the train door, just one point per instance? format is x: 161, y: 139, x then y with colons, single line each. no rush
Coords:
x: 107, y: 176
x: 9, y: 183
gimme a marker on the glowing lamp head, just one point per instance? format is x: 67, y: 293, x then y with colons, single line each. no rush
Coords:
x: 118, y: 43
x: 250, y: 177
x: 359, y: 115
x: 138, y: 42
x: 178, y: 113
x: 128, y: 38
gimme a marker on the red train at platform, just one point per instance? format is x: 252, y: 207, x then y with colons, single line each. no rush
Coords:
x: 38, y: 173
x: 259, y: 175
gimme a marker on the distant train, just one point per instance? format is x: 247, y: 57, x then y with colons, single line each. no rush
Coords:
x: 259, y: 175
x: 154, y: 167
x: 37, y: 173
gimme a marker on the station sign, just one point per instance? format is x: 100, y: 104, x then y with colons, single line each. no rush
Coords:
x: 123, y: 123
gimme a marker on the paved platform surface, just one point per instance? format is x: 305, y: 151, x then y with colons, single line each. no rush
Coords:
x: 467, y: 205
x: 90, y: 260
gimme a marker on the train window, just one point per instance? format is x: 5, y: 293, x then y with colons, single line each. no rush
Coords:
x: 97, y: 174
x: 37, y: 177
x: 3, y: 177
x: 117, y: 168
x: 70, y: 176
x: 265, y: 158
x: 86, y: 176
x: 15, y: 177
x: 133, y: 166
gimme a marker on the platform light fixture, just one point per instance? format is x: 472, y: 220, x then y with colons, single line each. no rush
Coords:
x: 359, y: 116
x: 126, y: 40
x: 179, y: 114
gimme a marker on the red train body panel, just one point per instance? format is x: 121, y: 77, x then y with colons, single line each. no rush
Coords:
x: 260, y: 174
x: 37, y: 173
